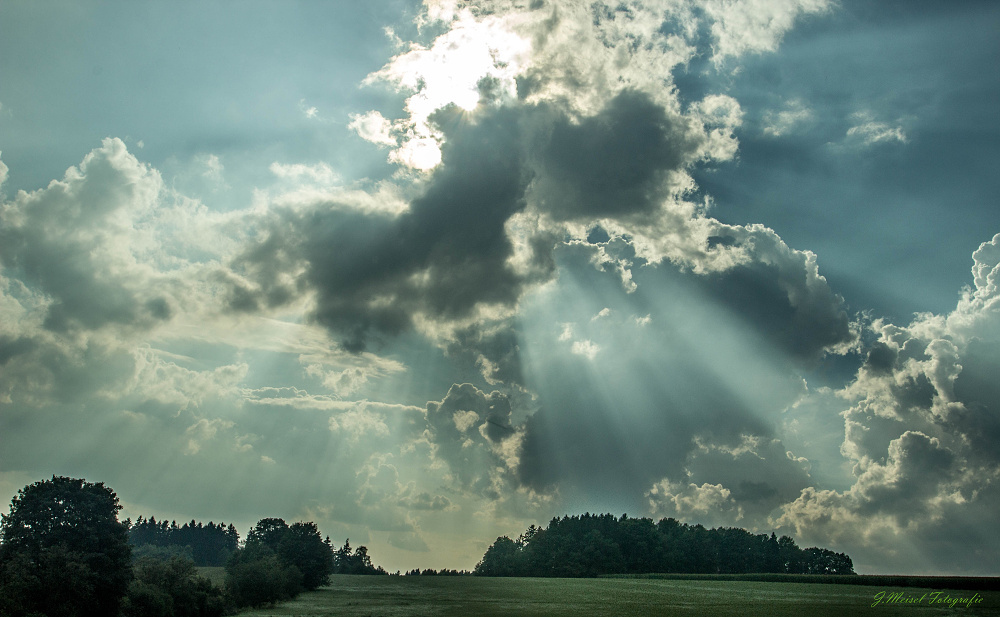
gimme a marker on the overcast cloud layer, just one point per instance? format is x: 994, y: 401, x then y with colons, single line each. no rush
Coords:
x: 476, y: 264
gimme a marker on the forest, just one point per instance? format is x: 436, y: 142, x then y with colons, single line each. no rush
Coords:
x: 594, y: 545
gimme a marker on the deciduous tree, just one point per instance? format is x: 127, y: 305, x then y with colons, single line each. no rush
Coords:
x: 63, y: 550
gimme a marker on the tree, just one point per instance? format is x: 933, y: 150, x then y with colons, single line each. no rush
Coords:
x: 302, y: 546
x: 268, y: 532
x: 501, y: 559
x: 343, y: 559
x: 206, y: 545
x: 277, y: 562
x: 64, y: 551
x: 357, y: 562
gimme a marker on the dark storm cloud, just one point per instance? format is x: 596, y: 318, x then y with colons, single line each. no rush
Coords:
x: 767, y: 298
x: 450, y: 253
x: 614, y: 163
x: 443, y: 258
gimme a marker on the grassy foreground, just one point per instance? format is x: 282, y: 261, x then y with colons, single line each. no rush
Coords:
x: 385, y: 596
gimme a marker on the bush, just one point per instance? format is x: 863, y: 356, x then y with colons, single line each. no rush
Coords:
x: 171, y: 588
x: 259, y: 578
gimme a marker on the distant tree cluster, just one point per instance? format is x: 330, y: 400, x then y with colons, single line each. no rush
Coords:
x: 278, y: 561
x: 433, y: 572
x: 205, y: 545
x: 591, y: 545
x: 64, y: 553
x: 357, y: 561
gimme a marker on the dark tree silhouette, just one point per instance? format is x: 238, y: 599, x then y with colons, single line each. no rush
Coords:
x: 171, y: 588
x: 302, y: 545
x: 347, y: 561
x: 63, y: 551
x: 205, y: 545
x: 503, y: 558
x: 591, y: 545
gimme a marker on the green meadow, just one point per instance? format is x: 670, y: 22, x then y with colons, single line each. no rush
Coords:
x: 378, y: 596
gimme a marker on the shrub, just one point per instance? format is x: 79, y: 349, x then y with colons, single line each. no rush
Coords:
x: 258, y: 578
x: 171, y: 588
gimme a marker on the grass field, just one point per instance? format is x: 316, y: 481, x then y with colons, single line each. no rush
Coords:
x: 215, y: 574
x: 378, y: 596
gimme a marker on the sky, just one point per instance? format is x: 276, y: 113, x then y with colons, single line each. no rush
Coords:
x: 429, y: 273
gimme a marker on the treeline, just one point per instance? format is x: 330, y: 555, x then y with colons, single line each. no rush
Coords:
x: 63, y: 552
x: 433, y: 572
x: 594, y: 545
x: 205, y: 545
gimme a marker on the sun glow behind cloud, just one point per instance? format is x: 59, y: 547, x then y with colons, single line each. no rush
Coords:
x: 449, y: 72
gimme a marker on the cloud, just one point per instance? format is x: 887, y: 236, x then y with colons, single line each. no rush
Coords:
x: 921, y: 436
x: 468, y: 428
x: 493, y: 348
x: 320, y: 173
x: 780, y: 291
x: 871, y: 133
x: 759, y: 474
x: 426, y: 501
x: 793, y: 116
x: 112, y: 295
x: 754, y: 26
x: 544, y: 228
x: 75, y: 241
x: 619, y: 162
x: 213, y: 168
x: 609, y: 428
x: 358, y: 422
x: 373, y: 127
x: 449, y: 72
x: 868, y: 132
x: 204, y: 431
x: 309, y: 111
x: 551, y: 156
x: 443, y: 260
x: 708, y: 504
x: 587, y: 349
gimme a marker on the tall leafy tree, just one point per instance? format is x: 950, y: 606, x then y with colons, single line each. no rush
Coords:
x: 63, y: 550
x: 268, y: 532
x: 302, y: 546
x: 503, y: 558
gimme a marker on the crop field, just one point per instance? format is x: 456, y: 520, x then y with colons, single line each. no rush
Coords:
x: 385, y: 596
